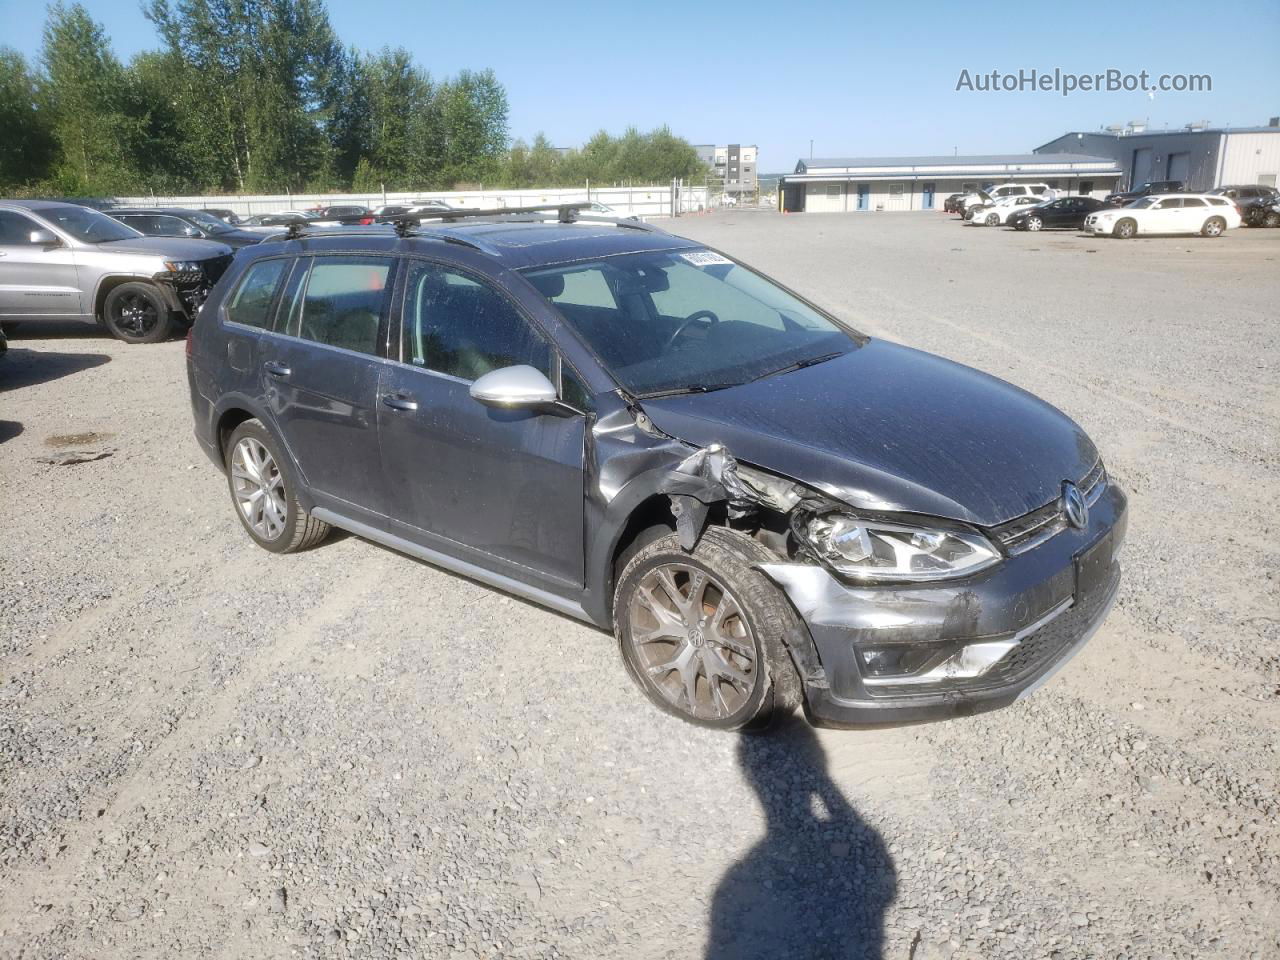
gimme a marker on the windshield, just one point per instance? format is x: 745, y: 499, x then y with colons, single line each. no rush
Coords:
x: 690, y: 320
x: 208, y: 222
x: 88, y: 226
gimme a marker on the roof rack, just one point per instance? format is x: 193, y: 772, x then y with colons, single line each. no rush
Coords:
x: 411, y: 224
x: 564, y: 213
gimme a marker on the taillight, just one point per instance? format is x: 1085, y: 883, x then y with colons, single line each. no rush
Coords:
x: 365, y: 221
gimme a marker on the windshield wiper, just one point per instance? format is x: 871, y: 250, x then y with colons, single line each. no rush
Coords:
x: 690, y: 388
x: 799, y: 365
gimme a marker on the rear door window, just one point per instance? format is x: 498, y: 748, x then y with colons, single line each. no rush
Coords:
x: 251, y: 304
x: 15, y: 229
x: 342, y: 302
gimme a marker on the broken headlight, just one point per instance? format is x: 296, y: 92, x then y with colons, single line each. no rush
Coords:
x: 875, y: 550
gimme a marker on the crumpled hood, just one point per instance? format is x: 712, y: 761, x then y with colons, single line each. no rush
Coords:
x: 889, y: 428
x: 171, y: 248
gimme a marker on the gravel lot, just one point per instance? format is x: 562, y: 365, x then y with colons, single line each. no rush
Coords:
x: 210, y: 751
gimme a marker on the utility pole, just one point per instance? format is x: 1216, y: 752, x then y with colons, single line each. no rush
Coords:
x: 810, y: 149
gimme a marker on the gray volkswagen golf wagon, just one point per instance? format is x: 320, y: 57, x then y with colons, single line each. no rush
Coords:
x: 766, y: 507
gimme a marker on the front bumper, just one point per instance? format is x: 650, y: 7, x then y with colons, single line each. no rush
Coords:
x: 1034, y: 610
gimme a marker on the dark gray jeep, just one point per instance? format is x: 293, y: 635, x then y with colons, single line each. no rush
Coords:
x: 766, y: 507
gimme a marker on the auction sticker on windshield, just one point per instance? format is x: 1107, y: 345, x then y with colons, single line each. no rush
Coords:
x: 704, y: 258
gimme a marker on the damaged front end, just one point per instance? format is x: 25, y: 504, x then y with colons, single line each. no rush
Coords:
x: 908, y: 618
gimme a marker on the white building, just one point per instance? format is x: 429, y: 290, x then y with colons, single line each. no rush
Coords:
x: 849, y: 184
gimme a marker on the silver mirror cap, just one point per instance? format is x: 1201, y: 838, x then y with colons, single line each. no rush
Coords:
x: 43, y: 238
x: 518, y: 386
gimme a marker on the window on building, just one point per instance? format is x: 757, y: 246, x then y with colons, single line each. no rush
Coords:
x: 833, y: 190
x: 1266, y: 179
x: 1086, y: 186
x: 895, y: 189
x: 968, y: 187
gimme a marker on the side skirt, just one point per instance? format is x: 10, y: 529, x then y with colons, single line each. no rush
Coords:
x: 544, y: 598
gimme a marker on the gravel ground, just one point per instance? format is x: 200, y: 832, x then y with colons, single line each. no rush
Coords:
x: 210, y: 751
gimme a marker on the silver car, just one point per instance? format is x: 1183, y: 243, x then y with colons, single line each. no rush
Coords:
x: 59, y: 261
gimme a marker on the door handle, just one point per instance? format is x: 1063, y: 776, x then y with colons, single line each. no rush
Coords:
x: 399, y: 401
x: 276, y: 368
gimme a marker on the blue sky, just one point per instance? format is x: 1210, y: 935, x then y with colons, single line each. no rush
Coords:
x: 856, y: 78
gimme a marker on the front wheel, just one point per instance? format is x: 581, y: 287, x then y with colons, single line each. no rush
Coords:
x: 1271, y: 218
x: 1034, y: 223
x: 136, y: 313
x: 993, y: 219
x: 1213, y: 227
x: 263, y: 494
x: 702, y: 632
x: 1125, y: 229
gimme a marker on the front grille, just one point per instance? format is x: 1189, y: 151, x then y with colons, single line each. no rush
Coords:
x: 1032, y: 529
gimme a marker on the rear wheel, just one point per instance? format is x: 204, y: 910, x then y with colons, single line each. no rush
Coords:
x: 263, y: 493
x: 1125, y: 229
x: 1213, y: 227
x: 702, y: 632
x: 136, y: 313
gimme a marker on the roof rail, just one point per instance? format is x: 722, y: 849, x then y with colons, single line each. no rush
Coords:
x: 564, y: 213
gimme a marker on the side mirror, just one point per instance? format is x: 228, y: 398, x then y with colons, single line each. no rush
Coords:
x: 44, y: 238
x: 518, y: 387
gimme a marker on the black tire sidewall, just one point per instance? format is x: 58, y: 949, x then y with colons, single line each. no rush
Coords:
x: 293, y: 514
x: 164, y: 325
x: 724, y: 555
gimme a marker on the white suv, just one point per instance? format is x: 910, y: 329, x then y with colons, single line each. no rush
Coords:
x: 985, y: 198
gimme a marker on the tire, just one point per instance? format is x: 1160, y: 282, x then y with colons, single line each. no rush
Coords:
x: 1271, y: 219
x: 1213, y: 227
x: 1124, y: 229
x: 136, y: 313
x: 754, y: 677
x: 993, y: 219
x: 273, y: 518
x: 1034, y: 223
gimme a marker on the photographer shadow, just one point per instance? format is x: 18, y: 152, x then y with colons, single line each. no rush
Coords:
x: 819, y: 882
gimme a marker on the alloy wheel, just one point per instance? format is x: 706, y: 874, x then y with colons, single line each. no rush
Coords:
x: 1034, y: 223
x: 1213, y: 228
x: 693, y: 642
x: 258, y: 486
x: 135, y: 315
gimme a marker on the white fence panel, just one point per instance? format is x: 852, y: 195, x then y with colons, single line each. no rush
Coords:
x: 645, y: 202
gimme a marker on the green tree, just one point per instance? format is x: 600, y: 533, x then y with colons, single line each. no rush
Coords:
x: 84, y: 91
x: 27, y: 144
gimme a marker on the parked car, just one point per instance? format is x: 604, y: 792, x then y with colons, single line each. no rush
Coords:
x: 970, y: 200
x: 352, y: 213
x: 1251, y: 200
x: 1262, y: 213
x: 59, y: 261
x: 994, y: 214
x: 229, y: 217
x: 1063, y: 212
x: 635, y: 430
x: 597, y: 209
x: 391, y: 211
x: 182, y: 222
x: 954, y: 203
x: 1199, y: 213
x: 1147, y: 189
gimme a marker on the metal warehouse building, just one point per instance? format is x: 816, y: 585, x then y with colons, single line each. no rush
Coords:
x: 921, y: 183
x: 1201, y: 157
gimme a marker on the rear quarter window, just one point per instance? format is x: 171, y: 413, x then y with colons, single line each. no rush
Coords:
x: 250, y: 305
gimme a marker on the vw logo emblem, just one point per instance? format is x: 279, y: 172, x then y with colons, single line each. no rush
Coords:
x: 1074, y: 506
